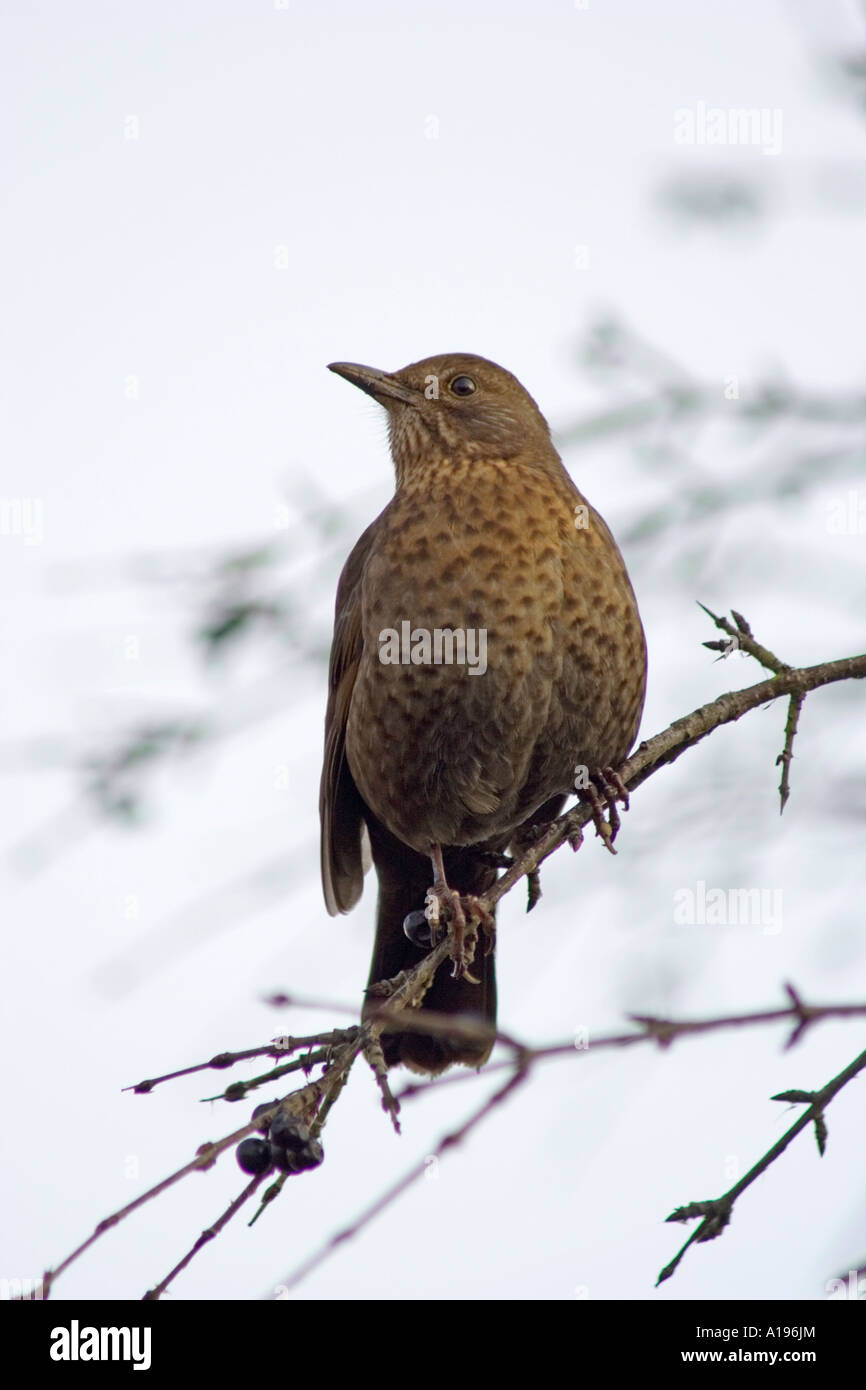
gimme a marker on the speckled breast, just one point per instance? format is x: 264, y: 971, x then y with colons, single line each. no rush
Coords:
x: 502, y: 651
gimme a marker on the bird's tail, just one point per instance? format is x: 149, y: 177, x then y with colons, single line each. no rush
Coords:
x: 404, y: 877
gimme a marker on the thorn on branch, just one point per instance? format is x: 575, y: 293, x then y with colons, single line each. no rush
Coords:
x: 575, y: 838
x: 533, y: 888
x: 716, y: 1214
x: 664, y: 1030
x: 821, y: 1132
x: 805, y: 1016
x: 795, y: 704
x: 269, y: 1195
x: 812, y: 1098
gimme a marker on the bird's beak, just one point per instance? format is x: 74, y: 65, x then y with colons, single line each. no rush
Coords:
x: 382, y: 386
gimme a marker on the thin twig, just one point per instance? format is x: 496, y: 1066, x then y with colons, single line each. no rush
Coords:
x: 716, y: 1212
x: 742, y: 639
x: 795, y: 704
x: 206, y: 1236
x: 277, y: 1048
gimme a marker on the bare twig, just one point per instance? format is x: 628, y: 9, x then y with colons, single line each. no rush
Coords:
x: 795, y: 704
x: 206, y: 1236
x: 278, y: 1048
x: 716, y: 1212
x: 741, y: 637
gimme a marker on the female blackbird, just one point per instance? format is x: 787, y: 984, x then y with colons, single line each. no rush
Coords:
x: 488, y: 658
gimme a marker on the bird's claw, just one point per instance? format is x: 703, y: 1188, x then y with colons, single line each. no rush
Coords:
x: 605, y: 789
x: 463, y: 912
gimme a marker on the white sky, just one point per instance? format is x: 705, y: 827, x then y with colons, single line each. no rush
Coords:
x: 300, y: 133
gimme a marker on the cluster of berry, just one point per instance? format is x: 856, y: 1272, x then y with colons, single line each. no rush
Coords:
x: 288, y: 1145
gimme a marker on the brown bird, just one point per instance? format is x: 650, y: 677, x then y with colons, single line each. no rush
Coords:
x: 488, y: 658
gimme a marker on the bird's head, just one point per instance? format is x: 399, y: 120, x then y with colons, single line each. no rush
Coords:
x: 456, y: 406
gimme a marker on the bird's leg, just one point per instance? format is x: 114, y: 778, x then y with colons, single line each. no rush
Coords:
x: 607, y: 781
x: 442, y: 897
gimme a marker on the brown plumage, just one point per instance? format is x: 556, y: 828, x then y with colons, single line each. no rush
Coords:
x: 486, y: 535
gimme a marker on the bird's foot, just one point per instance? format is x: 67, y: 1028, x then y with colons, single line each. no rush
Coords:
x: 614, y: 781
x: 605, y: 789
x: 465, y: 913
x: 424, y: 927
x: 487, y: 923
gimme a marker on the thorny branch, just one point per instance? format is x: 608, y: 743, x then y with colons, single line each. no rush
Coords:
x: 716, y: 1213
x: 741, y: 637
x: 337, y: 1050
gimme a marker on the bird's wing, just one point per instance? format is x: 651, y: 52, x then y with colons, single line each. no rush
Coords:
x: 345, y: 844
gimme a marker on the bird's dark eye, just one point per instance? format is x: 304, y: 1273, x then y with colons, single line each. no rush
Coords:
x: 462, y: 386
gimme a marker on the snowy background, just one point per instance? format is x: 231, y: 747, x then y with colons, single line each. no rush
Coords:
x: 203, y: 204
